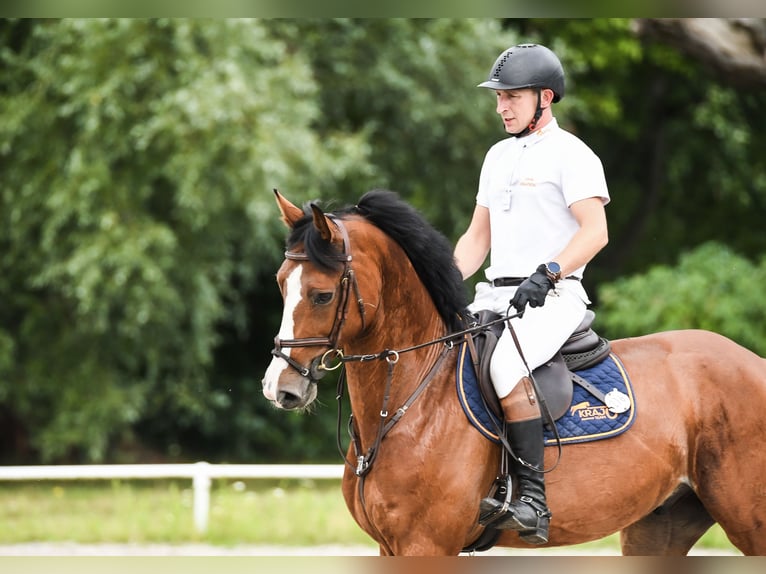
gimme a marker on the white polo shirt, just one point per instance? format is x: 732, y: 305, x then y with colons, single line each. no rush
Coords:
x: 528, y: 185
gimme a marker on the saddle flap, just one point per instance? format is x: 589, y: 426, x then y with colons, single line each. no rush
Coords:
x: 552, y: 377
x: 555, y: 385
x: 481, y: 345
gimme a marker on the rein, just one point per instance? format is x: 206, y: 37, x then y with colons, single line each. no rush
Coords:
x: 364, y: 461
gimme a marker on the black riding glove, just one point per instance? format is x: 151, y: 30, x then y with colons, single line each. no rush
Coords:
x: 532, y: 290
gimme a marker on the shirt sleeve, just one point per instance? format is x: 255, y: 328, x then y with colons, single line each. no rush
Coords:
x: 582, y: 176
x: 482, y: 195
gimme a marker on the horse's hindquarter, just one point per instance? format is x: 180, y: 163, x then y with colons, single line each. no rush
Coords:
x: 698, y: 391
x: 697, y: 397
x: 722, y: 388
x: 694, y: 394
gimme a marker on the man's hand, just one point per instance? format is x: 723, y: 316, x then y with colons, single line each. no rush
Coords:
x: 533, y: 290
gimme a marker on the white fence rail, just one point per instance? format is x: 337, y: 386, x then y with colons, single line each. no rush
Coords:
x: 201, y: 474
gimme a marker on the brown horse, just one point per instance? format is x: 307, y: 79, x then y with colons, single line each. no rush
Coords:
x: 368, y: 286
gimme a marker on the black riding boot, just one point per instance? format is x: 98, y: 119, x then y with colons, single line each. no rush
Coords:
x: 528, y: 513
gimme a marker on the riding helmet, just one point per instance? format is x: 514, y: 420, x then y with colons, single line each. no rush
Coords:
x: 527, y: 66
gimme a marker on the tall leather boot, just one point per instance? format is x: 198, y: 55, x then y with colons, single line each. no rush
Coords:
x: 528, y: 513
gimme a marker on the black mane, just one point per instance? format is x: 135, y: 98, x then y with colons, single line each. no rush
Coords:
x: 428, y: 249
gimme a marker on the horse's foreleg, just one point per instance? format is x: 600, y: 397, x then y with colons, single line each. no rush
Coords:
x: 671, y: 530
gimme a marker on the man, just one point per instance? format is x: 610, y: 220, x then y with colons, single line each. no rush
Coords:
x: 540, y: 216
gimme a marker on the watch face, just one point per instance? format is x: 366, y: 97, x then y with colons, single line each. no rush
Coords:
x: 554, y: 267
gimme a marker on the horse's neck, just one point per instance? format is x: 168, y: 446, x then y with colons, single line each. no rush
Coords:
x: 406, y: 317
x: 409, y: 317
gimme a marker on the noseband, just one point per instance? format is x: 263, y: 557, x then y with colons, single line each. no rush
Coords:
x: 319, y: 365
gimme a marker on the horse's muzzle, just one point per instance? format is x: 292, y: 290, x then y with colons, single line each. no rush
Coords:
x: 286, y: 388
x: 294, y: 399
x: 291, y: 401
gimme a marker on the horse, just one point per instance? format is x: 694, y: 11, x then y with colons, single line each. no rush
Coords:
x: 373, y: 289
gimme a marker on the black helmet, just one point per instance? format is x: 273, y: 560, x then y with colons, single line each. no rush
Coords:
x: 527, y: 66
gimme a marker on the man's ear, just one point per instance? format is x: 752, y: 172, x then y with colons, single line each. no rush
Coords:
x: 546, y: 97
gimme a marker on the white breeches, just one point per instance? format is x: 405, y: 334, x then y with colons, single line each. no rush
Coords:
x: 541, y: 331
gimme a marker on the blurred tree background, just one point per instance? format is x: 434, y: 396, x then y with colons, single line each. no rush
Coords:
x: 139, y: 235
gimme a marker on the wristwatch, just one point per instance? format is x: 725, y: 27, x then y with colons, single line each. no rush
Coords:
x: 553, y: 271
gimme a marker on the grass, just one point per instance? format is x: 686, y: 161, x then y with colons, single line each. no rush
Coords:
x: 293, y: 513
x: 289, y: 512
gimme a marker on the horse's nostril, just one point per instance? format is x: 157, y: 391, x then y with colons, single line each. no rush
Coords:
x: 289, y: 400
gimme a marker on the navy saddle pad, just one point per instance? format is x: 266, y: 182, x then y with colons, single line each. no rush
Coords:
x: 587, y: 418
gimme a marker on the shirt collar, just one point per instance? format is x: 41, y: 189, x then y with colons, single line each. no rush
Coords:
x: 537, y: 135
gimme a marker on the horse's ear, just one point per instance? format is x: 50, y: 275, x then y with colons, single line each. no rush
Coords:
x: 290, y: 213
x: 322, y: 223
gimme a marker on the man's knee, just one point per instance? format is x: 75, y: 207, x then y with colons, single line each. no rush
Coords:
x: 521, y: 403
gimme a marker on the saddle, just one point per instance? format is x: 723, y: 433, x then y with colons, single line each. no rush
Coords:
x: 555, y: 378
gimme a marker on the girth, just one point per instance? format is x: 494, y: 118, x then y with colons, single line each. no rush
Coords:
x: 554, y: 378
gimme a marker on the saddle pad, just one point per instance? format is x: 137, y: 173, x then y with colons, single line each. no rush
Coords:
x: 587, y: 419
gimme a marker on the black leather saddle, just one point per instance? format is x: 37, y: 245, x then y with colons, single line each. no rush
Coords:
x: 555, y: 378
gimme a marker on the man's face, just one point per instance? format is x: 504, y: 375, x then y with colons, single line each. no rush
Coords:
x: 517, y: 108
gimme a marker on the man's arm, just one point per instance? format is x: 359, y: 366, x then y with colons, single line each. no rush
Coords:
x: 473, y: 246
x: 589, y: 239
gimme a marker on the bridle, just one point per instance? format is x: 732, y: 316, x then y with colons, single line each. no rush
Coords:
x: 319, y: 366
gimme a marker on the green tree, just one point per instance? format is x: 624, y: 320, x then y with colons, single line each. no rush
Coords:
x: 137, y: 160
x: 408, y: 87
x: 139, y: 236
x: 705, y: 290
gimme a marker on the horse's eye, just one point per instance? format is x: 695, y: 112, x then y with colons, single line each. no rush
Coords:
x: 322, y: 298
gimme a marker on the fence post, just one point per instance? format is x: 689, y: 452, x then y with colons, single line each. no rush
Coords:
x: 201, y: 485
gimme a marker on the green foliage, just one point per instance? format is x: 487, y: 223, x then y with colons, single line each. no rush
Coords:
x: 137, y: 160
x: 408, y: 87
x: 139, y: 237
x: 711, y: 288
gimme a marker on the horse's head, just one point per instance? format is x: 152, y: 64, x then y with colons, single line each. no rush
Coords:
x: 407, y: 277
x: 317, y: 282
